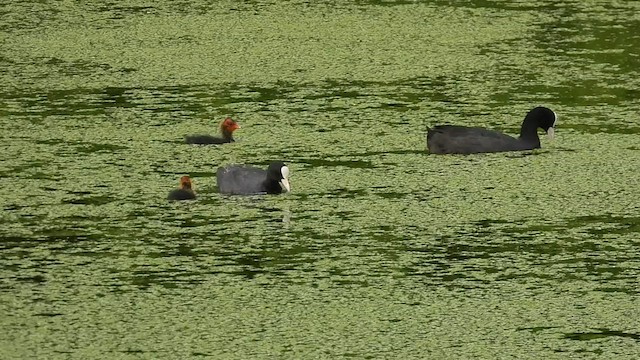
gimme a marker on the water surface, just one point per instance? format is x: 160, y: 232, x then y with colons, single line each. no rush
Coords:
x: 381, y: 250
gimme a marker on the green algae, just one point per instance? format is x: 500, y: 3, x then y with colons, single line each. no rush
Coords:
x: 381, y: 250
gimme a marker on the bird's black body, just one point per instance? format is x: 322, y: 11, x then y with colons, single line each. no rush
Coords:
x: 453, y: 139
x: 246, y: 180
x: 181, y: 194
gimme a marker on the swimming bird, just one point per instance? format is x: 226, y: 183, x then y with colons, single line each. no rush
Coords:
x: 247, y: 180
x: 453, y: 139
x: 184, y: 192
x: 227, y: 127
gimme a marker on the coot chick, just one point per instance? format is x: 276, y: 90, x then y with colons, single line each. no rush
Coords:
x: 453, y: 139
x: 247, y: 180
x: 184, y: 192
x: 227, y: 127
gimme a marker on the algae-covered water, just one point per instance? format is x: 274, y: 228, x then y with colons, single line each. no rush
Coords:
x: 381, y: 250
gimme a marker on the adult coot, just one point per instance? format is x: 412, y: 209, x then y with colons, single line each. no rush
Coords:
x: 184, y: 192
x: 246, y: 180
x: 452, y: 139
x: 227, y: 127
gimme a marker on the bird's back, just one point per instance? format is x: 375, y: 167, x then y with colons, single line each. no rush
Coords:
x: 205, y: 140
x: 181, y: 194
x: 241, y: 180
x: 453, y: 139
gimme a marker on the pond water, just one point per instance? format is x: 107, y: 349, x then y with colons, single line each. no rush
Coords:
x: 381, y: 250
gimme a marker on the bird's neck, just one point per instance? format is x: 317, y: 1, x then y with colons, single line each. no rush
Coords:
x: 529, y: 131
x: 227, y: 134
x: 272, y: 187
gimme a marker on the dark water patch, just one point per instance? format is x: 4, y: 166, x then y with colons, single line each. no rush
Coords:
x: 60, y: 102
x: 51, y: 236
x: 350, y: 282
x: 102, y: 101
x: 586, y: 93
x: 346, y: 193
x: 621, y: 224
x: 492, y: 256
x: 585, y: 259
x: 25, y: 165
x: 391, y: 195
x: 394, y: 106
x: 355, y: 164
x: 522, y: 154
x: 14, y: 262
x: 350, y: 88
x: 602, y: 48
x: 515, y: 229
x: 566, y: 277
x: 91, y: 200
x: 387, y: 236
x: 141, y: 213
x: 250, y: 266
x: 54, y: 61
x: 603, y: 128
x: 93, y: 253
x: 118, y: 97
x: 263, y: 94
x: 195, y: 221
x: 584, y: 351
x: 631, y: 290
x: 181, y: 141
x: 537, y: 329
x: 464, y: 252
x: 39, y: 175
x: 78, y: 67
x: 392, y: 152
x: 202, y: 354
x: 118, y: 12
x: 145, y: 279
x: 218, y: 220
x: 602, y: 333
x: 281, y: 90
x: 37, y: 279
x: 557, y: 149
x: 186, y: 250
x: 491, y: 222
x: 609, y: 41
x: 327, y: 96
x: 28, y: 15
x: 473, y: 4
x: 5, y: 60
x: 490, y: 243
x: 48, y: 314
x: 336, y: 91
x: 179, y: 250
x: 344, y: 214
x: 309, y: 234
x: 593, y: 224
x: 193, y: 174
x: 50, y: 141
x: 64, y: 236
x: 9, y: 241
x: 136, y: 351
